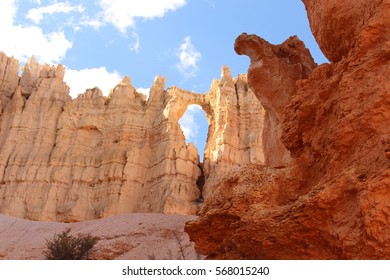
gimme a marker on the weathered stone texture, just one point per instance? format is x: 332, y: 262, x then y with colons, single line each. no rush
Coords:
x: 235, y: 128
x: 97, y: 156
x: 272, y: 75
x: 332, y: 202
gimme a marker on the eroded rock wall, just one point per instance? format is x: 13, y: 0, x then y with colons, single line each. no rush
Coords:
x: 235, y: 128
x: 332, y: 202
x: 96, y: 156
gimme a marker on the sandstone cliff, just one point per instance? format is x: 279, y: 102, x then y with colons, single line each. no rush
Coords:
x: 331, y: 202
x: 96, y: 156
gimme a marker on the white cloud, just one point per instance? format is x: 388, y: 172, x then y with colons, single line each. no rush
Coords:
x: 145, y: 91
x: 24, y: 41
x: 37, y: 14
x: 122, y: 13
x: 136, y: 46
x: 189, y: 56
x: 7, y: 12
x: 38, y: 2
x: 89, y: 22
x: 188, y: 123
x: 80, y: 80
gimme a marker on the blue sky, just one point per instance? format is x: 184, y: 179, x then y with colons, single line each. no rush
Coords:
x: 187, y: 41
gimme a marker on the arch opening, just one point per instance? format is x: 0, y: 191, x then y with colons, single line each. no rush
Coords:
x: 195, y: 128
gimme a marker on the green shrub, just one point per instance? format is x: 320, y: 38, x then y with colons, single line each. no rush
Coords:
x: 64, y: 246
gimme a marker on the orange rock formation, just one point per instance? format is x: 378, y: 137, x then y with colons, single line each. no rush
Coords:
x: 272, y: 75
x: 332, y: 202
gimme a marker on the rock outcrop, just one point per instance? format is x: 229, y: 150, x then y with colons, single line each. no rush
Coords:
x: 236, y: 123
x: 272, y: 75
x: 332, y: 201
x: 95, y: 156
x: 349, y: 28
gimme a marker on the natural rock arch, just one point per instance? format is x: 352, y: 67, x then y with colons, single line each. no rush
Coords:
x: 97, y: 156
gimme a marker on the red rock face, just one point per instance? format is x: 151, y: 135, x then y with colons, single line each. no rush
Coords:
x: 344, y: 26
x: 272, y: 75
x: 333, y: 202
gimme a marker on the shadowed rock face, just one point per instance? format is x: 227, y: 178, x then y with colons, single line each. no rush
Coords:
x: 332, y: 202
x: 272, y: 75
x: 96, y: 156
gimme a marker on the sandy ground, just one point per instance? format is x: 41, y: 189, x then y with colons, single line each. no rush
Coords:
x: 126, y: 237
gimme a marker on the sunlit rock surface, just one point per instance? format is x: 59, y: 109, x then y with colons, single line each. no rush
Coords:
x: 96, y: 156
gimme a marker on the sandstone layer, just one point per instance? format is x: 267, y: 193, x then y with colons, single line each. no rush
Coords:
x: 332, y: 202
x: 134, y: 236
x: 96, y: 156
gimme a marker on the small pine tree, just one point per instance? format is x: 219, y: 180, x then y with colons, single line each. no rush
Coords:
x: 64, y: 246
